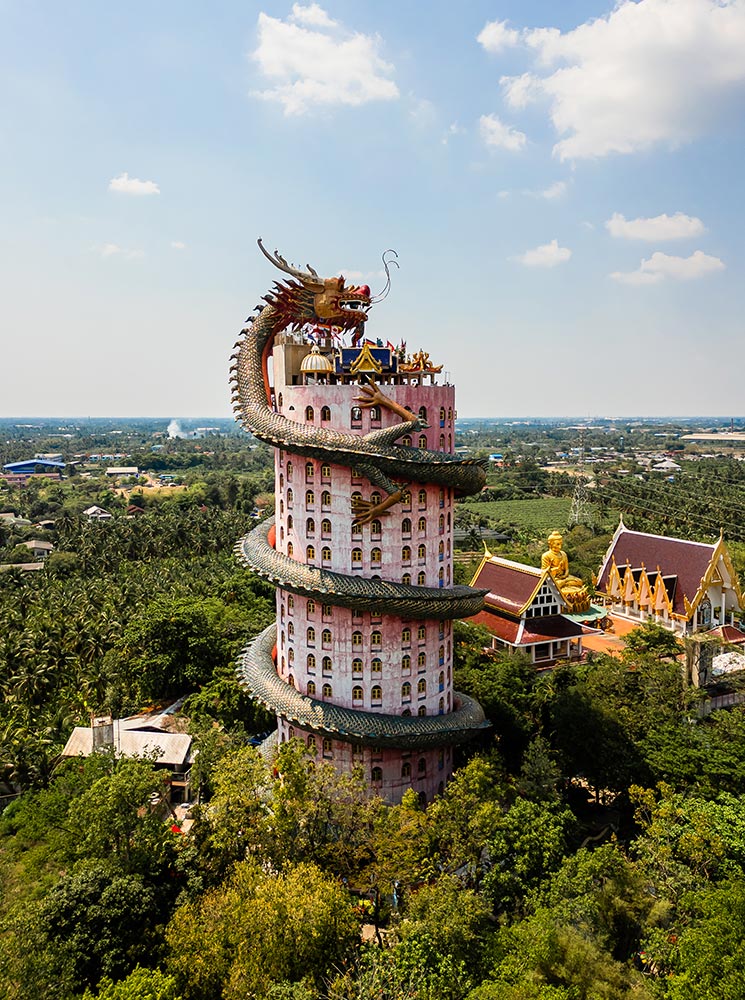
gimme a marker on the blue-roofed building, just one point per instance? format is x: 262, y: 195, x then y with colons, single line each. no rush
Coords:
x: 19, y: 472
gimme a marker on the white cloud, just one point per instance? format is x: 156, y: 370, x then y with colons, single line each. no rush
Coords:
x: 497, y: 135
x: 323, y: 67
x: 124, y: 184
x: 661, y: 266
x: 453, y: 130
x: 547, y: 255
x: 114, y: 250
x: 556, y: 190
x: 313, y: 15
x: 520, y: 91
x: 648, y: 72
x: 496, y: 36
x: 177, y: 245
x: 660, y: 227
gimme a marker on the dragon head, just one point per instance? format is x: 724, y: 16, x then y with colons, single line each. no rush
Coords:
x: 312, y: 299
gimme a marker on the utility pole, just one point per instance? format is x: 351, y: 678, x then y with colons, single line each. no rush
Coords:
x: 581, y: 510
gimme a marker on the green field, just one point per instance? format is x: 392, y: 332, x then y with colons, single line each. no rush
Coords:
x: 540, y: 516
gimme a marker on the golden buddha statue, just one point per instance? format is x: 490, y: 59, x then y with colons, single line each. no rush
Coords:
x: 571, y: 587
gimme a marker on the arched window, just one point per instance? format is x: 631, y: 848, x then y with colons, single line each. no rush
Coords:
x: 376, y: 638
x: 357, y: 667
x: 442, y: 416
x: 325, y: 499
x: 422, y: 765
x: 421, y: 660
x: 281, y: 480
x: 422, y: 498
x: 291, y: 733
x: 406, y: 554
x: 325, y: 527
x: 310, y: 607
x: 441, y: 706
x: 356, y: 415
x: 375, y: 529
x: 326, y: 665
x: 310, y: 554
x: 442, y: 442
x: 328, y: 747
x: 440, y: 578
x: 422, y: 440
x: 441, y: 551
x: 326, y: 637
x: 405, y: 636
x: 421, y: 633
x: 357, y: 695
x: 309, y: 470
x: 442, y: 497
x: 374, y: 414
x: 325, y: 413
x: 441, y: 681
x: 376, y: 695
x: 422, y: 525
x: 311, y: 689
x: 290, y: 498
x: 406, y: 769
x: 422, y: 552
x: 326, y: 554
x: 291, y: 655
x: 311, y: 743
x: 441, y: 655
x: 406, y: 579
x: 310, y: 499
x: 356, y: 558
x: 421, y: 579
x: 290, y: 631
x: 376, y: 666
x: 376, y: 775
x: 309, y: 414
x: 291, y: 680
x: 326, y: 691
x: 406, y: 711
x: 310, y: 526
x: 311, y: 663
x: 422, y: 412
x: 281, y: 506
x: 325, y: 472
x: 290, y: 602
x: 289, y: 470
x: 441, y: 523
x: 279, y: 400
x: 422, y: 710
x: 406, y: 527
x: 375, y: 498
x: 357, y: 640
x: 421, y: 686
x: 406, y: 691
x: 290, y: 522
x: 376, y: 555
x: 310, y: 636
x: 406, y: 500
x: 406, y: 440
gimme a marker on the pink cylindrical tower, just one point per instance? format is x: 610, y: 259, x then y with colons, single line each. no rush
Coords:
x: 359, y: 663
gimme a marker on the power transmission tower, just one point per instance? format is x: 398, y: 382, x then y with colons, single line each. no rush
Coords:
x: 581, y: 511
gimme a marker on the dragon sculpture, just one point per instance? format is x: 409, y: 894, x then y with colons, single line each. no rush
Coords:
x: 309, y: 299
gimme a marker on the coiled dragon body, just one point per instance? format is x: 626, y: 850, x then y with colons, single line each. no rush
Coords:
x: 311, y: 299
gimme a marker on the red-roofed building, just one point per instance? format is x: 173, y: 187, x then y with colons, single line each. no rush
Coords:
x: 523, y: 610
x: 681, y: 585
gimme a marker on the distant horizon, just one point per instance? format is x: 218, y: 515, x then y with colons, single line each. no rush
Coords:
x: 580, y: 418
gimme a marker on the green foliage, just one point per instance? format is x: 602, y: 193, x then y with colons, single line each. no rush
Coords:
x: 140, y: 984
x: 528, y: 844
x: 259, y: 929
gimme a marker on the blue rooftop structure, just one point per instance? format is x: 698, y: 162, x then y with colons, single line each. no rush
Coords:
x: 31, y: 465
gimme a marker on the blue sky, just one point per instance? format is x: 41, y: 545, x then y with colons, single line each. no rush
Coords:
x: 562, y: 183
